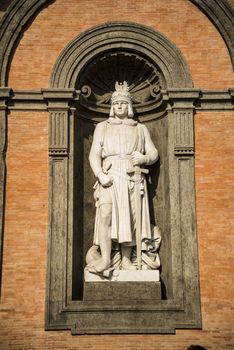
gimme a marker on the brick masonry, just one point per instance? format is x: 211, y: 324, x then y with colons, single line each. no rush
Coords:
x: 180, y: 20
x: 25, y: 239
x: 25, y: 245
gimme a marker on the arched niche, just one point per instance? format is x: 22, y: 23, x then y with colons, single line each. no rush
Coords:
x: 15, y: 21
x: 121, y: 36
x: 81, y: 84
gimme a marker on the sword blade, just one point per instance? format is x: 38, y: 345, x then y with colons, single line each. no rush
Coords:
x: 137, y: 176
x: 138, y: 223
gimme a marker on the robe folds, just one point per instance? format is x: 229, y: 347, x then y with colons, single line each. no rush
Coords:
x: 119, y: 139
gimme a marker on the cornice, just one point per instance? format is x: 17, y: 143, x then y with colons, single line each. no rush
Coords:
x: 42, y: 100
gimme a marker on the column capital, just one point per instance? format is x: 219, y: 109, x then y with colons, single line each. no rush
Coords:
x: 58, y: 99
x: 183, y: 98
x: 5, y: 94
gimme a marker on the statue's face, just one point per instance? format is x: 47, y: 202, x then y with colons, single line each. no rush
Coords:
x: 120, y: 109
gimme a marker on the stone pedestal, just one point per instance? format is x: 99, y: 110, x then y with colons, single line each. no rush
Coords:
x: 123, y: 285
x: 124, y: 276
x: 95, y: 291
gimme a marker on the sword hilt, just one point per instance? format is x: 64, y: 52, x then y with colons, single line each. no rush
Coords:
x: 137, y: 170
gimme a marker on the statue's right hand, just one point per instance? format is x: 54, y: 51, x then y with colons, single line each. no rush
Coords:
x: 105, y: 180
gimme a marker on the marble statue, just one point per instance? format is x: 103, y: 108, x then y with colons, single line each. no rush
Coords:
x: 121, y: 148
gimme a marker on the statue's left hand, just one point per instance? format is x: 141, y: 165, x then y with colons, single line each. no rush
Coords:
x: 105, y: 179
x: 138, y: 158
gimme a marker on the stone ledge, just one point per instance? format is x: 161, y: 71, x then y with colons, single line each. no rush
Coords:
x: 112, y: 291
x: 124, y: 276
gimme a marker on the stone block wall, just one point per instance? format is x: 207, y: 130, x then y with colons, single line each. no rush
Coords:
x: 25, y: 237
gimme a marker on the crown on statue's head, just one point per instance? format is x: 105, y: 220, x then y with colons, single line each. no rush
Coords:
x: 121, y: 92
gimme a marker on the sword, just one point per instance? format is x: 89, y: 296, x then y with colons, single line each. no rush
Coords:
x: 137, y: 177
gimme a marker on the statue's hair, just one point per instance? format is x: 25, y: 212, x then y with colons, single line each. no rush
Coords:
x: 112, y: 111
x: 130, y: 111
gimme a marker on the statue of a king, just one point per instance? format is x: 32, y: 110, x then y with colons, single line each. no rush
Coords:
x: 121, y: 148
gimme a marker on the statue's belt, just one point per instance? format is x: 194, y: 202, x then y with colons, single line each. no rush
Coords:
x: 121, y: 156
x: 109, y: 169
x: 130, y: 178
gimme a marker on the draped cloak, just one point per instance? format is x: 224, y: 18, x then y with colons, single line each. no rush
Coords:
x: 119, y: 140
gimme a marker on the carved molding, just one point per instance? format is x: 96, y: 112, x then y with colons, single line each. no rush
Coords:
x: 215, y: 100
x: 58, y: 135
x: 184, y: 139
x: 182, y: 106
x: 58, y: 98
x: 58, y: 101
x: 97, y: 81
x: 207, y: 100
x: 27, y: 100
x: 4, y: 96
x: 183, y: 98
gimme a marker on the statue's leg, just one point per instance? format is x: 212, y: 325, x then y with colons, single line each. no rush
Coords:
x: 126, y: 252
x: 104, y: 238
x: 126, y: 249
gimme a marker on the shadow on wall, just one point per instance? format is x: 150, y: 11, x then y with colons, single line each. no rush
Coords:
x: 196, y: 347
x: 4, y: 5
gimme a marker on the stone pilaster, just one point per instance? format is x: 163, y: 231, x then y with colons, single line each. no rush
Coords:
x: 58, y: 136
x: 184, y: 140
x: 58, y: 105
x: 182, y: 103
x: 182, y: 195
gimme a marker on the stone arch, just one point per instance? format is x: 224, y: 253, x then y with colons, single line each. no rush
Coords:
x: 12, y: 25
x: 221, y: 14
x: 171, y: 195
x: 121, y: 35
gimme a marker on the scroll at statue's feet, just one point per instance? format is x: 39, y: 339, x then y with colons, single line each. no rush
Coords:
x: 127, y: 265
x: 101, y: 265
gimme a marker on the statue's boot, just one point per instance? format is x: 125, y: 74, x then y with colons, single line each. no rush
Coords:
x: 127, y: 265
x: 101, y: 265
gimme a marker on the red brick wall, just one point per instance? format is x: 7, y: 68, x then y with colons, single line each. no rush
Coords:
x: 25, y: 238
x: 214, y: 161
x: 180, y: 20
x: 25, y: 243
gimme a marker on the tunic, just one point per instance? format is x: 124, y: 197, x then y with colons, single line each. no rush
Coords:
x: 119, y: 139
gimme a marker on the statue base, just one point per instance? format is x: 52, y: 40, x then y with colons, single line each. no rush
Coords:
x: 123, y: 276
x: 137, y: 284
